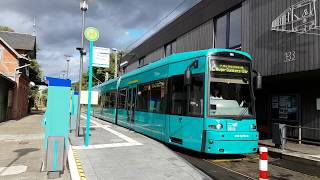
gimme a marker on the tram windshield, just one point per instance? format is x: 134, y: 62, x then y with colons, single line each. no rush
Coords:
x: 230, y: 89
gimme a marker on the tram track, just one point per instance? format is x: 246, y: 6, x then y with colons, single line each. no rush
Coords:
x: 245, y: 167
x: 214, y: 170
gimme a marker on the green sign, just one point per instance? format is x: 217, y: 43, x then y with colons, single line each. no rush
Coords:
x: 91, y: 34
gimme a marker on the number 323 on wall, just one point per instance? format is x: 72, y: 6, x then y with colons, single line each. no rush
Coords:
x: 290, y: 56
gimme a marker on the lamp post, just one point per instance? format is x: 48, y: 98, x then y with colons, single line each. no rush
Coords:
x: 68, y: 61
x: 115, y: 62
x: 18, y: 68
x: 83, y: 8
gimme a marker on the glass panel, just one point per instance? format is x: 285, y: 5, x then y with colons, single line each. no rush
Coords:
x: 230, y: 88
x: 157, y: 97
x: 168, y: 49
x: 122, y: 99
x: 196, y: 96
x: 143, y: 98
x: 229, y: 98
x: 284, y: 108
x: 235, y: 28
x: 221, y: 32
x: 178, y: 96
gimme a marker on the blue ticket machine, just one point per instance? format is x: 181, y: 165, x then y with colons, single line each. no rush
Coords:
x: 74, y: 110
x: 56, y: 125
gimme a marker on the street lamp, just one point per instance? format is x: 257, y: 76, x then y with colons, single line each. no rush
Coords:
x: 68, y: 61
x: 18, y: 68
x: 83, y: 8
x: 115, y: 62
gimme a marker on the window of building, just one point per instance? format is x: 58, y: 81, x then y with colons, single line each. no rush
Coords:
x: 220, y: 32
x: 284, y: 108
x: 168, y: 48
x: 228, y: 30
x: 235, y: 29
x: 143, y: 98
x: 122, y: 99
x: 141, y: 61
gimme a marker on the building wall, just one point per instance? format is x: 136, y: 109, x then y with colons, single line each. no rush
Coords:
x: 288, y: 58
x: 4, y: 88
x: 278, y: 52
x: 197, y: 39
x: 9, y: 62
x: 154, y: 56
x: 20, y: 99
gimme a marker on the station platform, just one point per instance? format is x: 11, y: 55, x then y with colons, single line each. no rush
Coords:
x: 302, y: 153
x: 117, y: 153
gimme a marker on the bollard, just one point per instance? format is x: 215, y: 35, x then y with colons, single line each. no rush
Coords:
x: 263, y: 163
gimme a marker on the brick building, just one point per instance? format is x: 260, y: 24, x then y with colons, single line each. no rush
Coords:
x: 16, y: 50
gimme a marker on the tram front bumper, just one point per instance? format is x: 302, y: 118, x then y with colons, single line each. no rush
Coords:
x: 231, y: 142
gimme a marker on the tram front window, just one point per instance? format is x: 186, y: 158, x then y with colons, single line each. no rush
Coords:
x: 230, y: 88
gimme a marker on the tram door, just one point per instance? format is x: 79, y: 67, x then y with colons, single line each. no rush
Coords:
x: 132, y: 92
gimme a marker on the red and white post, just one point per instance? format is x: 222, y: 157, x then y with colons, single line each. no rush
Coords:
x: 263, y: 163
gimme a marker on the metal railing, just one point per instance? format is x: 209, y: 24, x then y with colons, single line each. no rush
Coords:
x: 294, y: 133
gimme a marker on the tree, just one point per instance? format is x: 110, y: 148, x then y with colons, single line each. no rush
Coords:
x: 98, y: 73
x: 6, y: 29
x: 34, y: 96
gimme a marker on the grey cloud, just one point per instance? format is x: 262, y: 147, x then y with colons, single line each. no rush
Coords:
x: 59, y: 23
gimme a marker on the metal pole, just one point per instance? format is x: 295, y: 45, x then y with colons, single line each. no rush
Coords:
x: 80, y: 75
x: 300, y: 135
x: 89, y: 96
x: 67, y: 69
x: 116, y: 65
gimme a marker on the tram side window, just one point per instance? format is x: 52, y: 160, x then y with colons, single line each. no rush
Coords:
x: 157, y: 99
x: 178, y: 95
x: 143, y: 98
x: 106, y: 100
x: 110, y: 100
x: 122, y: 99
x: 196, y: 95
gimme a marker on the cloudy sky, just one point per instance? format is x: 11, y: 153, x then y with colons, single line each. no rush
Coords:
x: 58, y: 22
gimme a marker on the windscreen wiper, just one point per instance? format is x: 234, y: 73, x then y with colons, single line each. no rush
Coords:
x: 243, y: 112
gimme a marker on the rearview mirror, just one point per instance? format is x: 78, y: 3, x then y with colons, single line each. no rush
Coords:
x: 187, y: 77
x: 259, y: 81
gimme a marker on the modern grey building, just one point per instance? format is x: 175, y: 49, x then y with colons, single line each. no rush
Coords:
x: 283, y: 36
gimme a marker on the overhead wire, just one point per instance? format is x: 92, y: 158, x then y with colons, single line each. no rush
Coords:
x: 158, y: 23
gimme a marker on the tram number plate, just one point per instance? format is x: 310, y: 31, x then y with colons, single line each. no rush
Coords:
x: 232, y: 126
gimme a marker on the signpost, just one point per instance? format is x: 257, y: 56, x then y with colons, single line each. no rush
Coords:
x: 91, y: 34
x: 101, y: 57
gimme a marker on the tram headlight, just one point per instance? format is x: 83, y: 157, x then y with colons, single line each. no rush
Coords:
x: 218, y: 126
x: 253, y: 126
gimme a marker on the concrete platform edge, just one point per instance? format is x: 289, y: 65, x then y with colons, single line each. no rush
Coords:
x: 291, y: 156
x: 74, y: 172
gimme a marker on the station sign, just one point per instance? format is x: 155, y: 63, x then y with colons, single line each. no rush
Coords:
x: 101, y: 57
x: 94, y: 97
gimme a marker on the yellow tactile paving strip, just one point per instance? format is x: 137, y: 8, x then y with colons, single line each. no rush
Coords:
x: 79, y: 165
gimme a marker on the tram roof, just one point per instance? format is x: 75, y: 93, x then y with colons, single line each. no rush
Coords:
x: 173, y: 59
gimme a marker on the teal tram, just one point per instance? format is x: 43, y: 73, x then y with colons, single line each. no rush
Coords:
x: 201, y: 100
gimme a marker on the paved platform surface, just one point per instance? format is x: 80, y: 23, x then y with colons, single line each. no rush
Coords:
x: 296, y: 152
x: 22, y: 152
x: 116, y: 153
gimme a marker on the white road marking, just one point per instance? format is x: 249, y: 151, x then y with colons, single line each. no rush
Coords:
x: 12, y: 170
x: 101, y: 146
x: 130, y: 141
x: 21, y: 137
